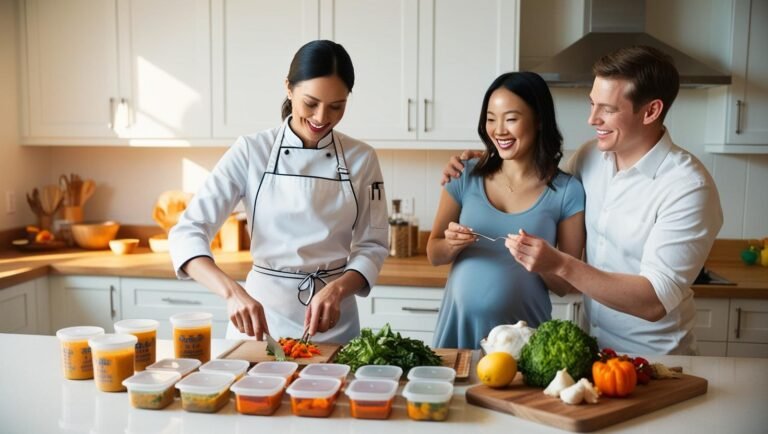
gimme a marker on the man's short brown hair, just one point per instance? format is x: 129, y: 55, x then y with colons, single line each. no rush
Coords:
x: 652, y: 74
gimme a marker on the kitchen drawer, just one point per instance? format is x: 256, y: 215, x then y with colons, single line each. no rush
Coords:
x: 711, y: 319
x: 748, y: 321
x: 406, y: 309
x: 714, y: 349
x: 747, y: 350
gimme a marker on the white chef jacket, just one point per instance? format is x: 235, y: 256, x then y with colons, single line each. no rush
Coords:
x: 657, y: 219
x: 237, y: 177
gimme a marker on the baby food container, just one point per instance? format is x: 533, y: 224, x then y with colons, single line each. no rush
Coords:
x: 380, y: 372
x: 371, y: 398
x: 234, y: 367
x: 326, y: 370
x: 314, y: 397
x: 76, y: 358
x: 183, y: 366
x: 192, y: 335
x: 258, y: 395
x: 428, y: 400
x: 285, y: 370
x: 145, y: 331
x: 205, y: 392
x: 151, y: 389
x: 113, y: 356
x: 432, y: 373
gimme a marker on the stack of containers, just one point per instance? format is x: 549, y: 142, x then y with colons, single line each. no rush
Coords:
x: 429, y: 392
x: 372, y: 391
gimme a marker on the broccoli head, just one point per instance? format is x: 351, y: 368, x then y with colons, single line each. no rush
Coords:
x: 557, y: 344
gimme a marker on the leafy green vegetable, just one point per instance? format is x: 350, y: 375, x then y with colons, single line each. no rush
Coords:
x: 386, y: 348
x: 557, y: 344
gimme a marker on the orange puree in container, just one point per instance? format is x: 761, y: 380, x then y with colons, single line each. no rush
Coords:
x: 192, y: 343
x: 145, y: 349
x: 76, y: 358
x: 110, y: 368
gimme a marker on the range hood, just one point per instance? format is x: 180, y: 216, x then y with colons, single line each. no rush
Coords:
x: 613, y: 24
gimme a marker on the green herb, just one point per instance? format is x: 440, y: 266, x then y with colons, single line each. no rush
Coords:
x: 386, y: 348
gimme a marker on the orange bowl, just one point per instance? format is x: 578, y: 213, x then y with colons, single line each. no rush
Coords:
x: 123, y: 246
x: 94, y: 236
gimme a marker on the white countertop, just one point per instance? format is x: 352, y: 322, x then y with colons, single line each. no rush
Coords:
x: 35, y: 398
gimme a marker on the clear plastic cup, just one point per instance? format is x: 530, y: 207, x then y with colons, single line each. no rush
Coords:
x: 113, y: 356
x: 183, y: 366
x: 284, y: 369
x: 314, y: 397
x: 371, y: 398
x: 428, y: 400
x: 380, y: 372
x: 151, y: 389
x: 76, y: 358
x: 260, y: 395
x: 145, y: 331
x: 233, y: 367
x: 326, y: 370
x: 192, y: 335
x: 205, y: 392
x: 432, y: 373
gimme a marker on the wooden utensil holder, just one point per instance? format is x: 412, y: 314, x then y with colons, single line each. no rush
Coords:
x: 73, y: 214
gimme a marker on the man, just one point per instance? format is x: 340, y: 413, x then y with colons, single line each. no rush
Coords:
x: 652, y: 212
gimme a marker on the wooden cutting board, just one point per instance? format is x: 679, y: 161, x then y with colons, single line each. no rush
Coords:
x: 459, y: 360
x: 256, y: 351
x: 532, y: 404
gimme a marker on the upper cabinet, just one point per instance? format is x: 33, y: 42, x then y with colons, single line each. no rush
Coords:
x: 423, y: 67
x: 107, y: 71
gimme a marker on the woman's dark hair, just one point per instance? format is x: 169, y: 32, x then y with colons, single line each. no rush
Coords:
x: 547, y: 151
x: 319, y: 58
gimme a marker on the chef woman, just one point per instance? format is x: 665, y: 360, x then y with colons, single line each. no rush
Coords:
x: 315, y: 204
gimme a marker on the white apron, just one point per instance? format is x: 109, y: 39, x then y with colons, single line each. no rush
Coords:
x: 301, y: 234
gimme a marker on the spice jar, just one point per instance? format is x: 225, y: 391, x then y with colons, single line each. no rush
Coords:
x: 399, y: 232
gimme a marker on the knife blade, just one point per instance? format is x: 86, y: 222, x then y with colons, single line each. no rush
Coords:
x: 275, y: 348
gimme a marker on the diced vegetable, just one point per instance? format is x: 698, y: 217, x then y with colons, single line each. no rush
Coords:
x: 152, y: 400
x: 259, y: 405
x: 427, y: 410
x: 313, y: 407
x: 370, y: 409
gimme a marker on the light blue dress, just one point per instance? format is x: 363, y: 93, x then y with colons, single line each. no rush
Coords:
x: 486, y: 286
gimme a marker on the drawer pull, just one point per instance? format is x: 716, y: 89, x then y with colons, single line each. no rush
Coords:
x: 738, y: 322
x: 112, y: 311
x: 180, y: 301
x: 421, y: 309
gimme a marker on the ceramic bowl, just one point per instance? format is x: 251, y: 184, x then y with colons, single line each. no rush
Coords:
x: 158, y: 243
x: 95, y: 236
x: 123, y: 246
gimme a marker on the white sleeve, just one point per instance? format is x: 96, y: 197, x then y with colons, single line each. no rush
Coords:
x: 369, y: 238
x: 681, y: 239
x: 209, y: 208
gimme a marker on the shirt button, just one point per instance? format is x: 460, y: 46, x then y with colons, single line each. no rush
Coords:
x: 287, y: 152
x: 328, y: 154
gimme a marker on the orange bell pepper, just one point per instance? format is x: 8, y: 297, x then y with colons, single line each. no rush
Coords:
x: 615, y: 377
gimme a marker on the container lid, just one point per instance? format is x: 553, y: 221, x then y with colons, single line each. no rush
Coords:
x: 79, y: 333
x: 388, y: 372
x: 205, y: 383
x: 135, y: 325
x: 428, y: 391
x: 322, y: 370
x: 191, y: 319
x: 110, y: 341
x: 314, y: 387
x: 437, y: 373
x: 258, y: 385
x: 151, y: 381
x: 371, y: 389
x: 234, y: 367
x: 282, y: 369
x: 182, y: 366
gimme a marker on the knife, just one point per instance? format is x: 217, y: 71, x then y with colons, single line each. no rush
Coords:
x: 275, y: 349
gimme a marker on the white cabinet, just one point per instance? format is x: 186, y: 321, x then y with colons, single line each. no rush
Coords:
x: 24, y: 307
x: 107, y: 71
x: 711, y: 326
x: 734, y: 327
x: 421, y: 67
x: 411, y: 311
x: 84, y: 300
x: 159, y: 299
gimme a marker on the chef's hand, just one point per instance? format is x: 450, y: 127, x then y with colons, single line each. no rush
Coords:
x: 533, y: 253
x: 455, y: 166
x: 324, y: 311
x: 247, y: 314
x: 458, y: 237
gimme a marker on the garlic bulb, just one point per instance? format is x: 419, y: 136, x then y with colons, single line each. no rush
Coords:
x: 561, y: 381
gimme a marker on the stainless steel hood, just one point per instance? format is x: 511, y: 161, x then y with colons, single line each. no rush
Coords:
x: 613, y: 24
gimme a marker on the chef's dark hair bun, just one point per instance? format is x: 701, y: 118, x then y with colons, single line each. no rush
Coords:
x: 320, y: 58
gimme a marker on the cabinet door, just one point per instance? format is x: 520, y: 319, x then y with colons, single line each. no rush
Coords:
x: 409, y: 310
x: 711, y: 320
x: 748, y: 101
x: 253, y: 45
x: 18, y: 308
x: 165, y: 51
x: 85, y: 300
x: 381, y: 40
x: 71, y: 68
x: 463, y: 46
x: 748, y: 321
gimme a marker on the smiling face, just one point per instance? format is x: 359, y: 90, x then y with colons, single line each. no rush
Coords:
x: 510, y: 124
x: 619, y: 129
x: 317, y: 107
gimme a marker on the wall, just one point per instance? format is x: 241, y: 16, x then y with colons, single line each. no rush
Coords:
x: 21, y: 168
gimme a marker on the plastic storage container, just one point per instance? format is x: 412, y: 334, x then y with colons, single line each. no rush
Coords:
x: 432, y: 373
x: 205, y: 392
x: 192, y: 335
x: 76, y: 360
x: 145, y: 331
x: 183, y: 366
x: 113, y: 356
x: 380, y: 372
x: 428, y: 400
x: 234, y: 367
x: 151, y: 389
x: 326, y: 370
x: 371, y: 398
x: 260, y: 395
x: 314, y: 397
x: 285, y: 370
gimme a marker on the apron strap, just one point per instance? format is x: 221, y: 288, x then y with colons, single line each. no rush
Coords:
x: 307, y: 280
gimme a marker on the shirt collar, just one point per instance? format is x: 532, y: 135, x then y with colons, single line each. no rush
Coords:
x: 649, y: 164
x: 293, y: 140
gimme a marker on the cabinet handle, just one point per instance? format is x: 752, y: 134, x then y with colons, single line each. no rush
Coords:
x: 111, y: 123
x: 129, y: 121
x: 112, y: 310
x: 426, y: 102
x: 410, y: 101
x: 421, y: 309
x: 739, y: 105
x: 180, y: 301
x: 576, y: 312
x: 738, y: 322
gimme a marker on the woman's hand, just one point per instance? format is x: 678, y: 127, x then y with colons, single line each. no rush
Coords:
x: 533, y: 253
x: 324, y: 311
x: 247, y: 314
x: 458, y: 237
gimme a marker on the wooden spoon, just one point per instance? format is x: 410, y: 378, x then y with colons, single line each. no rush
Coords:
x: 51, y: 199
x: 87, y: 190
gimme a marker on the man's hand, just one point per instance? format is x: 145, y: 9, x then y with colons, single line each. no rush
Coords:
x: 455, y: 166
x: 533, y: 253
x: 247, y: 314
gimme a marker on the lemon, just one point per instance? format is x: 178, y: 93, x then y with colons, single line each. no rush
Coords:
x: 497, y: 369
